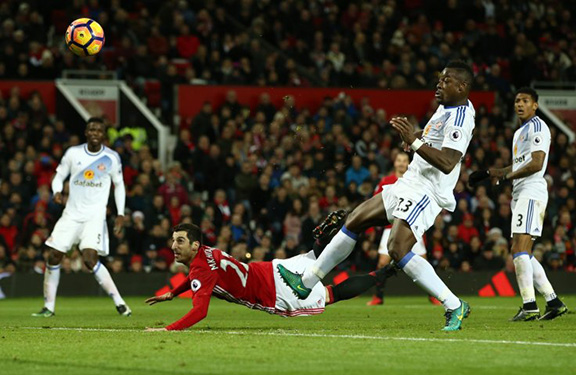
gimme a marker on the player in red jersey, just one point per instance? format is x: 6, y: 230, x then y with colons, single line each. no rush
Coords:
x: 401, y: 162
x: 256, y: 285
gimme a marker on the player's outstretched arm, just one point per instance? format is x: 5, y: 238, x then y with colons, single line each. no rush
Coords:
x: 534, y: 166
x: 164, y: 297
x: 201, y: 302
x: 495, y: 174
x: 444, y: 160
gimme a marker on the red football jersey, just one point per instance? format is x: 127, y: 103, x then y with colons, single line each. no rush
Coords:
x: 214, y: 272
x: 386, y: 180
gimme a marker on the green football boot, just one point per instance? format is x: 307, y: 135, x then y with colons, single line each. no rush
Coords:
x: 454, y: 317
x: 525, y: 315
x: 554, y: 312
x: 44, y: 313
x: 294, y: 281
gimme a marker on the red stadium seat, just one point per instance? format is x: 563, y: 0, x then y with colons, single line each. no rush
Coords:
x: 181, y: 65
x: 60, y: 21
x: 152, y: 91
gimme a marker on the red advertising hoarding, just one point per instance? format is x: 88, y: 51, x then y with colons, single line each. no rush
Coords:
x: 191, y: 98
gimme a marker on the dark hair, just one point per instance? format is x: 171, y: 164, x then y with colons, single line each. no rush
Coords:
x: 463, y: 68
x: 402, y: 152
x: 193, y: 232
x: 528, y: 90
x: 95, y: 119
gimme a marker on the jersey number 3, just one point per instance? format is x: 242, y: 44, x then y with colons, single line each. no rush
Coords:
x: 224, y: 263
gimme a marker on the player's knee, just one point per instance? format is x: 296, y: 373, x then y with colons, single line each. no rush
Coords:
x: 396, y: 249
x: 353, y: 221
x: 55, y: 257
x: 90, y: 259
x: 383, y: 261
x: 521, y: 243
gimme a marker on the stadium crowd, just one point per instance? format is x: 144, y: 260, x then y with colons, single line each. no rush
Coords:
x: 378, y: 43
x: 258, y: 183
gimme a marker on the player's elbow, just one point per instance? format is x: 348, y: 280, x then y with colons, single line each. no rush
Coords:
x: 446, y: 168
x: 449, y: 164
x: 203, y: 313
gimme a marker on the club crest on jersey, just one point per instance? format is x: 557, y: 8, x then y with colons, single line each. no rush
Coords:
x: 89, y: 174
x: 455, y: 135
x: 101, y: 167
x: 195, y: 285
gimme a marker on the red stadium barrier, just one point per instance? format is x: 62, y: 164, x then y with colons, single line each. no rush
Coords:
x: 47, y: 91
x: 191, y: 98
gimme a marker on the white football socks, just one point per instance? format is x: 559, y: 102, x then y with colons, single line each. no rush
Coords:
x: 105, y: 280
x: 51, y: 281
x: 525, y: 276
x: 541, y: 281
x: 335, y: 252
x: 423, y: 274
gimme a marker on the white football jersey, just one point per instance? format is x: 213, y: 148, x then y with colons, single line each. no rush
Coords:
x: 90, y: 177
x: 449, y: 127
x: 533, y: 135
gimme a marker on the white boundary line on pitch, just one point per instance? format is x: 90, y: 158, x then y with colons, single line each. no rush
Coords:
x: 474, y: 307
x: 321, y: 335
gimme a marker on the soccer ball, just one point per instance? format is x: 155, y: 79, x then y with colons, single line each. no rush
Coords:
x: 85, y: 37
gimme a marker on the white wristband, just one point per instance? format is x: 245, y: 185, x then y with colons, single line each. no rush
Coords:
x: 416, y: 144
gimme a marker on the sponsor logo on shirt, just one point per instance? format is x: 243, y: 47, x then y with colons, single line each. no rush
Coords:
x: 519, y: 159
x: 89, y: 174
x: 88, y: 183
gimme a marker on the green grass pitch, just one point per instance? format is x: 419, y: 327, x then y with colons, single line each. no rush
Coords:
x: 87, y: 336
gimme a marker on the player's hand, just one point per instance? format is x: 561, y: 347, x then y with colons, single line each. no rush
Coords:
x: 477, y: 177
x: 153, y: 329
x: 497, y: 175
x: 118, y: 224
x: 164, y: 297
x: 404, y: 128
x: 58, y: 198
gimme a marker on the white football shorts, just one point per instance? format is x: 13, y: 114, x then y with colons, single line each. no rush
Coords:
x: 416, y: 206
x: 287, y: 304
x: 419, y: 248
x: 528, y: 216
x: 92, y: 234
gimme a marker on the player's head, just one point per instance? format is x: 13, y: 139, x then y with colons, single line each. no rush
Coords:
x: 526, y: 103
x: 454, y: 83
x: 401, y: 162
x: 95, y: 131
x: 187, y: 239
